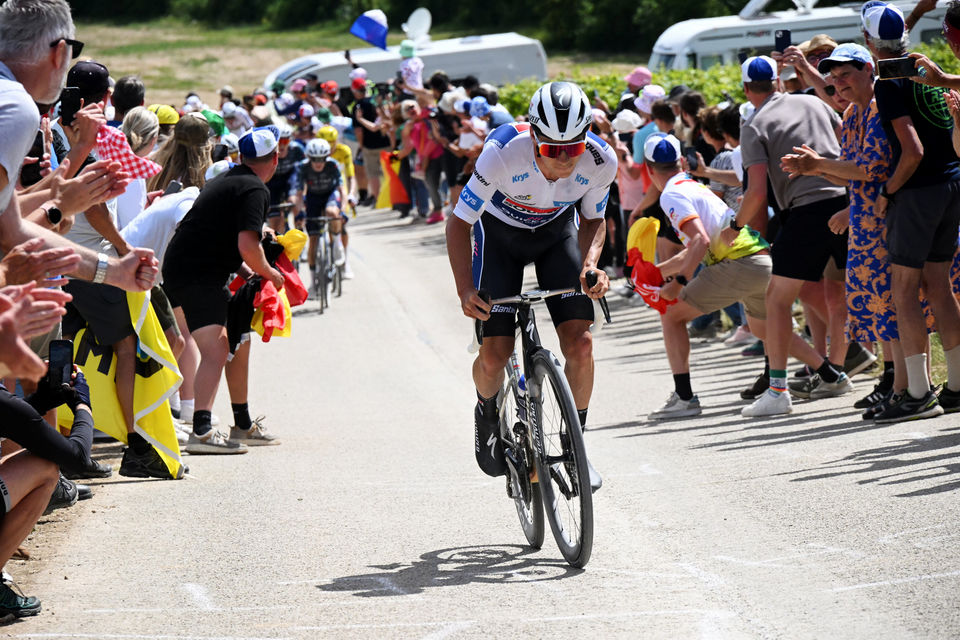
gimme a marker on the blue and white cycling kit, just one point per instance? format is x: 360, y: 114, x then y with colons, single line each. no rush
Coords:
x: 531, y: 219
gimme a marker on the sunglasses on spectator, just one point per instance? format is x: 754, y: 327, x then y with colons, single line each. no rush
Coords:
x: 76, y: 45
x: 555, y: 149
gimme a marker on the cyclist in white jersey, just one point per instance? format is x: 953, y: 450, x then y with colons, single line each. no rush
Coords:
x: 520, y: 204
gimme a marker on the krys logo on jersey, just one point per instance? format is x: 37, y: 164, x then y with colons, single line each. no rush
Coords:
x: 471, y: 199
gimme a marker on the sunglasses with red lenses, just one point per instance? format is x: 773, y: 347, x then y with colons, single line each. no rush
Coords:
x: 554, y: 150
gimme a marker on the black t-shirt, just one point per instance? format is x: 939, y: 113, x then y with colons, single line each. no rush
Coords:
x: 931, y: 118
x: 203, y: 249
x: 371, y: 139
x: 285, y: 178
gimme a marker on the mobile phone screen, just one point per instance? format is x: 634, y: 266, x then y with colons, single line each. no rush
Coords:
x: 692, y: 158
x: 896, y: 68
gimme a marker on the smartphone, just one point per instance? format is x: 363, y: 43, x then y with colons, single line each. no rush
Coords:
x: 69, y: 105
x: 174, y: 187
x: 30, y: 173
x: 691, y: 154
x: 596, y: 94
x: 781, y: 40
x: 897, y: 68
x: 61, y: 363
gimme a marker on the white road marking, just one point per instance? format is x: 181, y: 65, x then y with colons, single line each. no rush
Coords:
x: 710, y: 579
x: 200, y: 595
x: 884, y: 583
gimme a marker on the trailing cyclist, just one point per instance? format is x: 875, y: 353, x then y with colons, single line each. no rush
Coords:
x: 285, y: 183
x: 527, y: 181
x: 344, y: 156
x: 321, y: 184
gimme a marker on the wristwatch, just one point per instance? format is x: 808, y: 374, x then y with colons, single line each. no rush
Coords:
x: 101, y: 274
x: 886, y: 194
x: 54, y: 215
x: 734, y: 225
x: 682, y: 279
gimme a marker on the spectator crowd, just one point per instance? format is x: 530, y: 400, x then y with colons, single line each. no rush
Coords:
x: 820, y: 218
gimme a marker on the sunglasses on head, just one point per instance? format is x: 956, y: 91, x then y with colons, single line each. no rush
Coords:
x: 554, y: 149
x: 76, y: 45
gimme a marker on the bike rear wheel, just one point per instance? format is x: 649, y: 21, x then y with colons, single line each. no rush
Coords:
x: 526, y: 495
x: 564, y: 478
x: 320, y: 274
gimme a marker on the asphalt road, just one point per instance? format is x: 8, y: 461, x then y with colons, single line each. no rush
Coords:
x: 372, y: 520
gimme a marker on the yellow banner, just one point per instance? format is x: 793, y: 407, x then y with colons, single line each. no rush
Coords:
x: 157, y: 379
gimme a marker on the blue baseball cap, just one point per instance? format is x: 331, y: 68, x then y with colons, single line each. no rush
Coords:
x: 844, y: 53
x: 661, y: 147
x: 758, y: 69
x: 883, y: 22
x: 259, y: 142
x: 479, y: 107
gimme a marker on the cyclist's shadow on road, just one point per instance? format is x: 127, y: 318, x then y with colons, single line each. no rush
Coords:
x: 454, y: 567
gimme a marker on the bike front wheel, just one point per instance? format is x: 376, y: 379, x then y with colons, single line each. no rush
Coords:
x: 564, y: 476
x: 526, y: 493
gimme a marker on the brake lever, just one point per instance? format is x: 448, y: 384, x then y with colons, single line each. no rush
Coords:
x: 592, y: 278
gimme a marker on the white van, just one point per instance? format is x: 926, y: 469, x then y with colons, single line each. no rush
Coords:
x: 498, y: 58
x: 705, y: 42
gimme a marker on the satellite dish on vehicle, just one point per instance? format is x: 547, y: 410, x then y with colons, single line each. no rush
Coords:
x: 417, y: 26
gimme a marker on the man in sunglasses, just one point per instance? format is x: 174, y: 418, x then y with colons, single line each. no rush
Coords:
x: 520, y: 205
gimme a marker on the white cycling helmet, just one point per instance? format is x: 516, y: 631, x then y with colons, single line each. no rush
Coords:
x: 560, y: 111
x: 318, y: 149
x: 285, y: 132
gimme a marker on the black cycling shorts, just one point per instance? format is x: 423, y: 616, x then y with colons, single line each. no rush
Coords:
x: 500, y: 252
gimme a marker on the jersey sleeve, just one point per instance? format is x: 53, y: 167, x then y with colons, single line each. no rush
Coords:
x: 679, y: 210
x: 594, y: 203
x: 752, y: 148
x: 481, y: 186
x: 346, y: 159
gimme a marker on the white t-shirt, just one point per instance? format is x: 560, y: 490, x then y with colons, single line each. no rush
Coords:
x: 737, y: 159
x: 19, y: 123
x: 507, y: 184
x: 468, y: 139
x: 411, y: 70
x: 684, y: 198
x: 155, y: 226
x: 131, y: 202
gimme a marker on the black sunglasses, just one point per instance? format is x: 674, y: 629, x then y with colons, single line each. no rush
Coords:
x: 75, y: 44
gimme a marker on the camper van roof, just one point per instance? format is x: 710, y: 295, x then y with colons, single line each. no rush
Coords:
x: 366, y: 57
x: 681, y: 32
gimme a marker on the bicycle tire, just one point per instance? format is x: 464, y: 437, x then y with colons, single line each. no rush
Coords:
x: 529, y: 509
x: 564, y: 478
x: 337, y: 285
x: 320, y: 273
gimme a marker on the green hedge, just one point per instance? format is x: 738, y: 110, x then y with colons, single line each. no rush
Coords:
x: 712, y: 83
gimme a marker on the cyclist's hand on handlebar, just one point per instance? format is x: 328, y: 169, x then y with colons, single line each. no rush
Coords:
x: 474, y: 306
x: 600, y: 288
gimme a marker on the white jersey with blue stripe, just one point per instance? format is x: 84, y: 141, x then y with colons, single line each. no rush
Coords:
x: 507, y: 184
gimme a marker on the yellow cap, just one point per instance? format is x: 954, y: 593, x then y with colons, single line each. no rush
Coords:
x: 165, y: 113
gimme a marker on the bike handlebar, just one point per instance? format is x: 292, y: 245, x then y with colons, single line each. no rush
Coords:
x: 537, y: 295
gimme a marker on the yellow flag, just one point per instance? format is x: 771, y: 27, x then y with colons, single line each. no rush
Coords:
x: 157, y: 379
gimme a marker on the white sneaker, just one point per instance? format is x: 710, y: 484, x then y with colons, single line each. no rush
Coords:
x: 213, y: 442
x: 741, y: 337
x: 624, y: 290
x: 347, y: 271
x: 674, y: 407
x: 338, y: 255
x: 256, y: 436
x: 183, y: 432
x: 769, y: 405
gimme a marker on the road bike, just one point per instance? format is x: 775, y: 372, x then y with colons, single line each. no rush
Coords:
x: 542, y: 440
x: 327, y: 275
